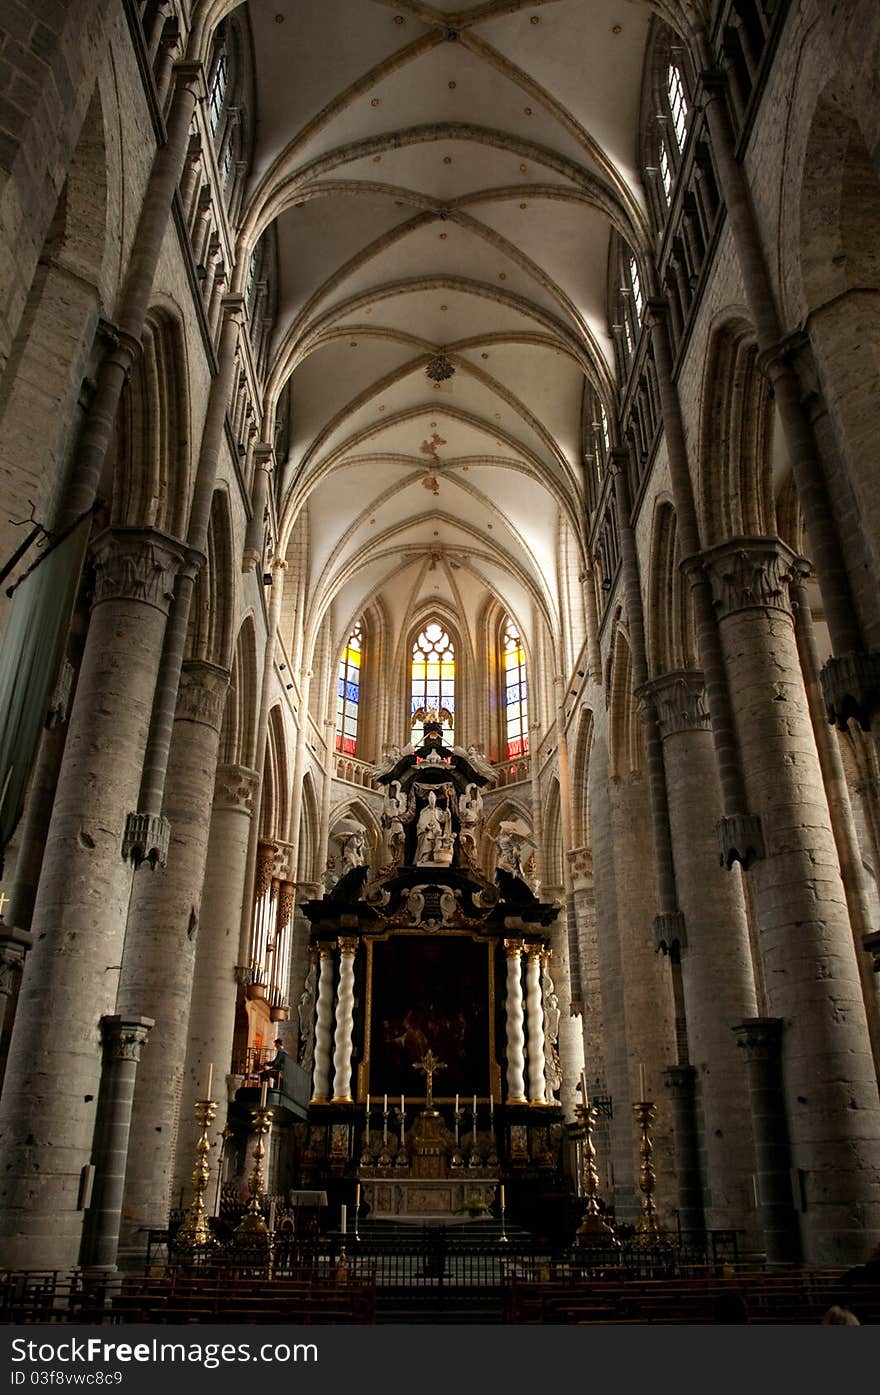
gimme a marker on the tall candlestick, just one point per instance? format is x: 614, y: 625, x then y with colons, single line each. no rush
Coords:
x: 385, y: 1105
x: 263, y: 1093
x: 456, y: 1104
x: 643, y: 1089
x: 491, y: 1108
x: 210, y: 1080
x: 357, y: 1196
x: 367, y: 1108
x: 475, y: 1111
x: 501, y: 1198
x: 403, y: 1104
x: 272, y: 1205
x: 343, y: 1218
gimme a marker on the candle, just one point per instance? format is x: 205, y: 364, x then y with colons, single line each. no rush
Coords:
x: 584, y: 1090
x: 456, y: 1104
x: 643, y: 1089
x: 263, y: 1091
x: 502, y: 1196
x: 385, y: 1105
x: 367, y: 1109
x: 491, y: 1108
x: 209, y: 1081
x: 357, y: 1197
x: 272, y: 1215
x: 475, y: 1111
x: 343, y: 1218
x: 403, y: 1104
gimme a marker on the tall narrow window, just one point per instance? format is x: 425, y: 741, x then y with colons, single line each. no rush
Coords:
x: 515, y: 694
x: 433, y: 673
x: 677, y: 104
x: 636, y: 283
x: 218, y: 90
x: 665, y: 170
x: 349, y: 693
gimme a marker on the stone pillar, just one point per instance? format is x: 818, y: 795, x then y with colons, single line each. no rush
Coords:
x: 323, y: 1027
x: 160, y: 947
x: 516, y: 1041
x: 716, y: 967
x: 48, y: 1108
x: 761, y: 1040
x: 123, y: 1039
x: 263, y: 457
x: 212, y: 1013
x: 680, y: 1081
x: 14, y: 945
x: 535, y: 1017
x: 805, y: 938
x: 344, y: 1022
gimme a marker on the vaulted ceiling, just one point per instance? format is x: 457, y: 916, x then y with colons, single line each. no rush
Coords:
x: 442, y: 181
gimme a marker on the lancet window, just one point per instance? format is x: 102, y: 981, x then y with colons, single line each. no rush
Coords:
x: 515, y: 693
x: 349, y: 692
x: 433, y: 673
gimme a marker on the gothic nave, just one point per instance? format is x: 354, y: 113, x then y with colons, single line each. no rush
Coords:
x: 441, y: 621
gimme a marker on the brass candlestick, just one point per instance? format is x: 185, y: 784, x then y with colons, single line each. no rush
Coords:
x: 401, y: 1159
x: 593, y: 1229
x: 195, y: 1233
x: 647, y: 1225
x: 457, y: 1160
x: 253, y: 1225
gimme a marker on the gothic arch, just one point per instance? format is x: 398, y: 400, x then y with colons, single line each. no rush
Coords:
x: 581, y: 751
x: 212, y: 608
x: 238, y: 734
x: 624, y: 727
x: 671, y: 636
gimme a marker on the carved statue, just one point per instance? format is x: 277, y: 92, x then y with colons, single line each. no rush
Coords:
x: 552, y: 1017
x: 353, y: 850
x: 306, y: 1014
x: 394, y: 815
x: 470, y: 813
x: 433, y: 831
x: 390, y: 756
x: 509, y: 844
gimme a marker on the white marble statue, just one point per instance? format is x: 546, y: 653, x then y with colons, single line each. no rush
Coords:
x: 470, y: 813
x: 353, y: 846
x: 433, y: 832
x: 394, y: 815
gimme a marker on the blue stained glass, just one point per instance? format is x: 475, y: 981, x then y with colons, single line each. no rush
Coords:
x: 515, y: 692
x: 352, y: 691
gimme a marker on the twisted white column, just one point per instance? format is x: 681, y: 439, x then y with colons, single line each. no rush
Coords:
x: 344, y: 1023
x: 535, y: 1019
x: 323, y: 1027
x: 516, y: 1041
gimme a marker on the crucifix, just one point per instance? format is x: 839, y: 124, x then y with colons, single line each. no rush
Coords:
x: 3, y: 900
x: 430, y: 1065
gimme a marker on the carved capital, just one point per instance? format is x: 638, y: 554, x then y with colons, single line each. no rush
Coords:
x: 851, y: 688
x: 513, y: 948
x: 752, y: 574
x: 146, y: 839
x: 12, y: 954
x: 670, y: 935
x: 740, y: 839
x: 190, y: 74
x: 760, y: 1037
x: 679, y: 700
x: 125, y: 1036
x: 236, y: 787
x: 348, y: 945
x: 580, y: 861
x: 134, y: 564
x: 680, y: 1081
x: 201, y: 695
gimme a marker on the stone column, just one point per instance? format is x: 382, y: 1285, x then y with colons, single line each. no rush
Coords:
x: 160, y: 947
x: 516, y: 1041
x: 805, y: 938
x: 761, y: 1040
x: 535, y: 1017
x: 323, y: 1027
x: 48, y: 1108
x: 212, y: 1013
x: 124, y: 1038
x: 263, y: 457
x: 680, y: 1081
x: 716, y: 967
x: 344, y: 1022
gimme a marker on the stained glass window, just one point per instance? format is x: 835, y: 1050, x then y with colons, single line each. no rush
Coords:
x: 515, y: 693
x: 665, y: 170
x: 433, y: 673
x: 349, y: 692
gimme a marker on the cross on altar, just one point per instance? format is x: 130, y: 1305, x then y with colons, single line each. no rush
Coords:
x: 3, y: 900
x: 430, y: 1065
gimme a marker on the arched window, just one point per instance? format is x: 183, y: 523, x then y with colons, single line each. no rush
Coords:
x: 433, y: 673
x: 515, y: 693
x: 349, y: 692
x: 597, y: 445
x: 630, y: 307
x: 219, y: 80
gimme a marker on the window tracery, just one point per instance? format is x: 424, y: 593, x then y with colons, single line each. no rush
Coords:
x: 348, y: 693
x: 433, y: 673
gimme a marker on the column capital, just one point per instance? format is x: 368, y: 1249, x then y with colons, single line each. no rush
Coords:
x: 752, y: 574
x: 201, y: 694
x: 851, y: 688
x: 190, y: 73
x: 513, y: 948
x: 125, y: 1036
x: 871, y: 944
x: 760, y: 1037
x: 670, y: 932
x: 236, y: 787
x: 233, y: 304
x: 680, y: 1081
x: 135, y: 564
x: 348, y: 944
x: 679, y: 700
x: 740, y: 839
x: 264, y: 455
x: 14, y: 945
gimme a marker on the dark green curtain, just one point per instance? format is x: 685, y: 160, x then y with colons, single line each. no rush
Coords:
x: 31, y: 650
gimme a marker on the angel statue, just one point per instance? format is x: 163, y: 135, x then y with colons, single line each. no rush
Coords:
x: 477, y: 762
x: 353, y: 850
x: 470, y: 813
